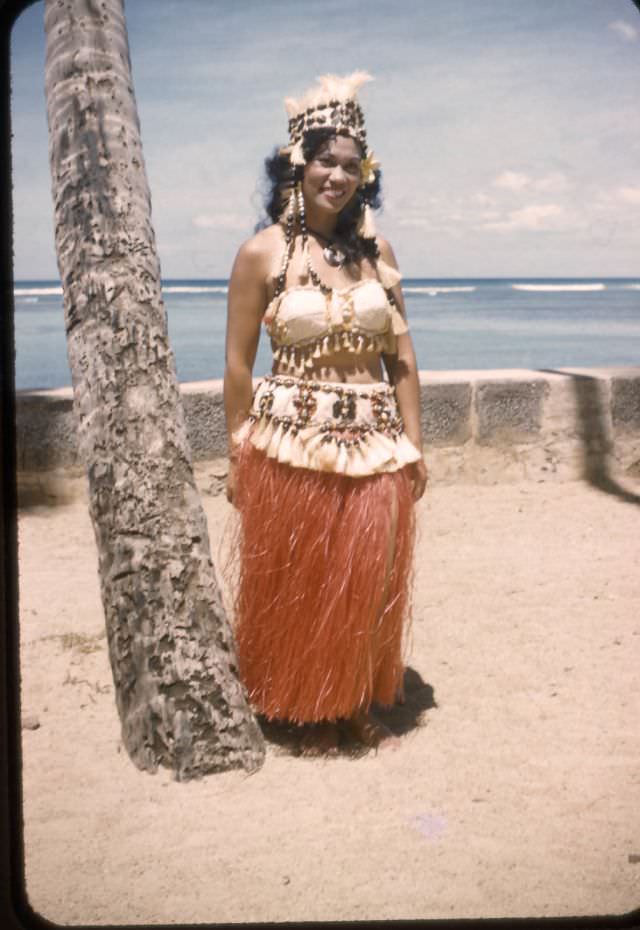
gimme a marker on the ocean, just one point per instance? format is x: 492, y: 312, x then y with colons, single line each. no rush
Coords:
x: 474, y: 323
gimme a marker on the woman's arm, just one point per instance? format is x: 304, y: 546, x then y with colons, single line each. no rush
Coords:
x: 247, y: 301
x: 403, y: 374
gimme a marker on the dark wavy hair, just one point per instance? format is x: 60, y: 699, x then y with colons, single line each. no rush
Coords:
x: 282, y: 176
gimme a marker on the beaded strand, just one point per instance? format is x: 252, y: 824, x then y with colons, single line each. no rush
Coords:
x: 296, y: 205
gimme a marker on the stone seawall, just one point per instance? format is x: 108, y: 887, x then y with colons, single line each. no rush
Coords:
x: 485, y: 426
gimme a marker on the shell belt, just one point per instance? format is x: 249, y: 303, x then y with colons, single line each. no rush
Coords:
x: 352, y: 429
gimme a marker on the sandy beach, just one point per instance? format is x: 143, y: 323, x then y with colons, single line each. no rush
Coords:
x: 514, y: 789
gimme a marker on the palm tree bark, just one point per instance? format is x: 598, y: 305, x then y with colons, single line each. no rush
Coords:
x: 171, y: 649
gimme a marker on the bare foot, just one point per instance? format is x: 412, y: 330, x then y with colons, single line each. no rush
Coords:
x: 370, y: 731
x: 320, y: 739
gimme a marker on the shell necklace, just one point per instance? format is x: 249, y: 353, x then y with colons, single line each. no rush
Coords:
x: 331, y: 253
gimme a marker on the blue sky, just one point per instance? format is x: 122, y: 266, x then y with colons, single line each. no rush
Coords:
x: 508, y: 131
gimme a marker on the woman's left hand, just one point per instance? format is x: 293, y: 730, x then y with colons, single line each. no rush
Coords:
x: 419, y: 478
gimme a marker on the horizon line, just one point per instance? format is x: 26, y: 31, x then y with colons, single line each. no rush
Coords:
x: 405, y: 277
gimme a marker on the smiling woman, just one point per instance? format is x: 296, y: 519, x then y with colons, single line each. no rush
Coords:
x: 323, y: 473
x: 337, y: 168
x: 332, y: 177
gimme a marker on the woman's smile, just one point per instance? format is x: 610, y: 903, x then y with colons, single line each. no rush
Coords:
x: 333, y: 175
x: 334, y: 194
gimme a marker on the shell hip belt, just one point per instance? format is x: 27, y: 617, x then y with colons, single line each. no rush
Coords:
x: 351, y: 429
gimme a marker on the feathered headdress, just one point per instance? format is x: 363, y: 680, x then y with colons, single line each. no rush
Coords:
x: 332, y: 104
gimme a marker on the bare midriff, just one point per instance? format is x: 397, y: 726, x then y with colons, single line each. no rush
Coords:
x: 342, y: 367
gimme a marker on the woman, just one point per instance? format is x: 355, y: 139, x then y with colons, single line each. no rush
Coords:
x: 325, y: 457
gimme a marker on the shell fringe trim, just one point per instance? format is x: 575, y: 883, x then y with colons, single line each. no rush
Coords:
x: 299, y: 357
x: 355, y: 450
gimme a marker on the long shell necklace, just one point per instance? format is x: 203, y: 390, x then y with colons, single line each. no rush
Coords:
x: 296, y: 206
x: 313, y: 274
x: 306, y: 252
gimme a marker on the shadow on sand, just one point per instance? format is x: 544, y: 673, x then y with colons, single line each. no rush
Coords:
x: 400, y: 719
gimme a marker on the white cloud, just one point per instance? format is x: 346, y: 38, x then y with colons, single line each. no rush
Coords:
x: 628, y: 194
x: 517, y: 181
x: 625, y: 30
x: 430, y: 224
x: 512, y: 180
x: 533, y: 217
x: 556, y: 181
x: 482, y: 198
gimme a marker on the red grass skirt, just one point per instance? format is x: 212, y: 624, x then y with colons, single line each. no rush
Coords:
x: 319, y: 618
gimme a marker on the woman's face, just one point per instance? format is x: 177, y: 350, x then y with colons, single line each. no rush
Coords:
x: 332, y: 176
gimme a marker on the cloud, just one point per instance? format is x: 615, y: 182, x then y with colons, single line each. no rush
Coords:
x: 624, y: 30
x: 556, y: 181
x: 533, y: 217
x: 430, y: 224
x: 517, y: 181
x: 512, y: 180
x: 482, y: 198
x: 629, y: 194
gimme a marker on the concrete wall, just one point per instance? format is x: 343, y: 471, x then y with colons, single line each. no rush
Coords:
x: 479, y: 426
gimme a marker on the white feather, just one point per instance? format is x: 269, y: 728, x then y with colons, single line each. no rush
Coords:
x: 331, y: 87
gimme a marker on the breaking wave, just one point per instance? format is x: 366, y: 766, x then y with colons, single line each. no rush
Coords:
x: 37, y: 291
x: 558, y: 287
x: 434, y: 291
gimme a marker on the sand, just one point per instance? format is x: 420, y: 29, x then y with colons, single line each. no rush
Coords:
x: 518, y: 795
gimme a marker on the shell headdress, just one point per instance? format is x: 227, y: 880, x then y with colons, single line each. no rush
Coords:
x: 332, y: 104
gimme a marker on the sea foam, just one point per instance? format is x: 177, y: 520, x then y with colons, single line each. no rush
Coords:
x: 558, y: 287
x: 37, y: 291
x: 434, y: 291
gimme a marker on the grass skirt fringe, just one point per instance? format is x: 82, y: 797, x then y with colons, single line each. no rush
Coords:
x: 319, y: 619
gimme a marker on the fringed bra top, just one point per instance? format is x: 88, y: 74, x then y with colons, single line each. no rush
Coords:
x: 346, y: 428
x: 305, y: 324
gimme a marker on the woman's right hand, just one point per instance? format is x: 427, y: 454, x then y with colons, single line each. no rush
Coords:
x: 231, y: 483
x: 247, y: 300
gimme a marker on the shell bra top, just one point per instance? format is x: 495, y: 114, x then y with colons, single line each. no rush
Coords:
x: 305, y: 324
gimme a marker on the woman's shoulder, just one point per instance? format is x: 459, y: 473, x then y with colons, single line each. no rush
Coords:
x: 258, y: 252
x: 265, y: 241
x: 386, y: 252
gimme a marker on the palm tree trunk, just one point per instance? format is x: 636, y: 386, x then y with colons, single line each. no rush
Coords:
x: 170, y: 645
